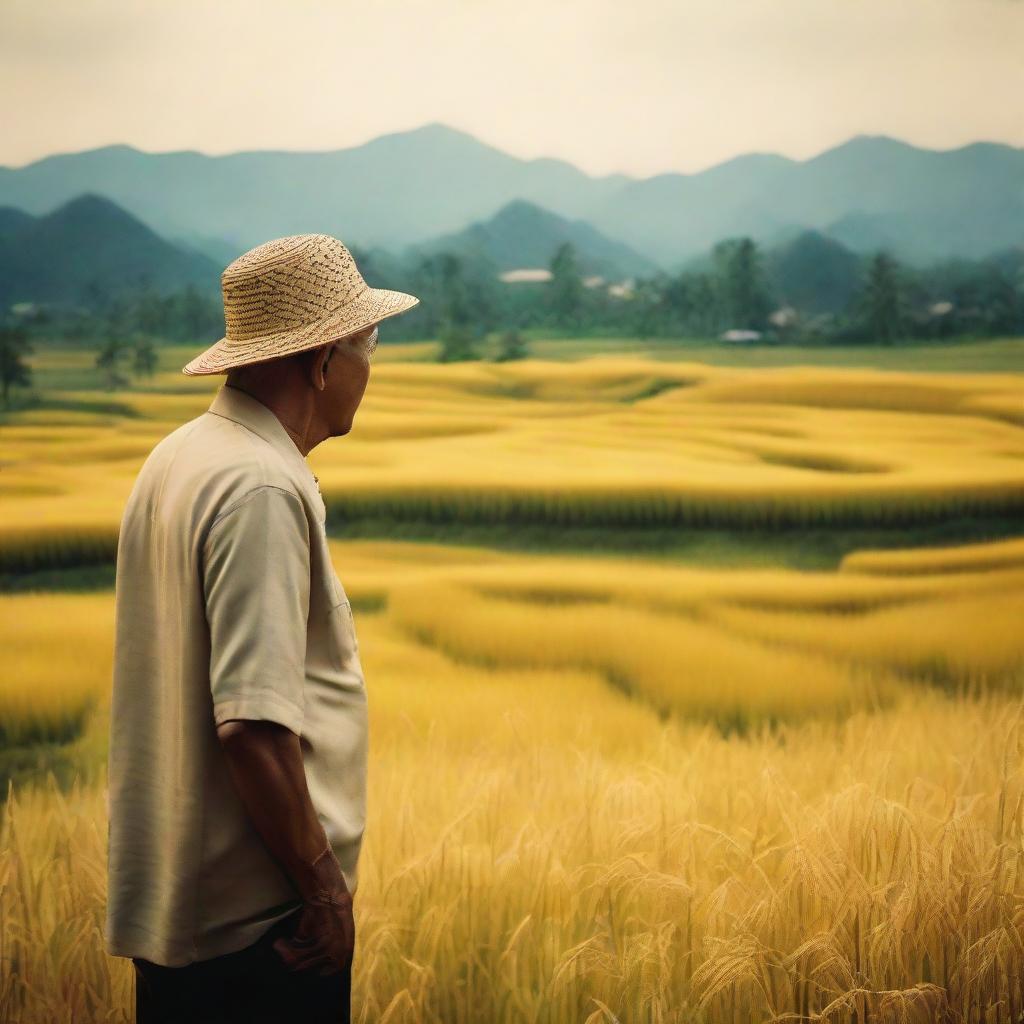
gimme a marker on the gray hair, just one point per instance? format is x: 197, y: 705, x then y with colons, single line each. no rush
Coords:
x: 257, y: 373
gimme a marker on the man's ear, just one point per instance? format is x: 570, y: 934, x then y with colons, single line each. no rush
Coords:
x: 322, y: 358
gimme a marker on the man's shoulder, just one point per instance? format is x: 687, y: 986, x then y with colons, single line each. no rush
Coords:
x: 208, y: 464
x: 230, y: 452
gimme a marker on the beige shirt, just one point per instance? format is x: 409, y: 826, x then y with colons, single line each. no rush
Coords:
x: 227, y: 607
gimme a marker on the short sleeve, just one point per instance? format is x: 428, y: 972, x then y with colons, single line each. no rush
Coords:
x: 256, y: 574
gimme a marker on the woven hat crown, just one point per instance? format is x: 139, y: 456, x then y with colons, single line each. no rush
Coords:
x: 287, y: 284
x: 292, y: 294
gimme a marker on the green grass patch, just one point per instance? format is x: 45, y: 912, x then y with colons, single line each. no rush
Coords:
x: 73, y: 578
x: 796, y: 548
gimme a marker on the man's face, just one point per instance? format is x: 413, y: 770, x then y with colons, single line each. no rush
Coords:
x: 346, y: 373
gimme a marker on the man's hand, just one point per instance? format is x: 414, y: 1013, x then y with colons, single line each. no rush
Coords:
x: 264, y: 760
x: 325, y: 934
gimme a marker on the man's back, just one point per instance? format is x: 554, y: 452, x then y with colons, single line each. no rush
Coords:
x: 227, y: 606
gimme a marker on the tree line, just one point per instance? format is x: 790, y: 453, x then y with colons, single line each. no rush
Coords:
x: 463, y: 303
x: 892, y: 303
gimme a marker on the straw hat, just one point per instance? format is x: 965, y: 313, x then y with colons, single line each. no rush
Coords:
x: 292, y: 294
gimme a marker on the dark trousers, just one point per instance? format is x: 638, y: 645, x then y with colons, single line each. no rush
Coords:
x: 251, y: 986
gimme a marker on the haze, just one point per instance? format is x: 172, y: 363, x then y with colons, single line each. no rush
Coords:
x: 638, y: 88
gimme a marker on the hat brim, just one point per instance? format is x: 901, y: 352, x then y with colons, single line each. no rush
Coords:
x: 376, y: 304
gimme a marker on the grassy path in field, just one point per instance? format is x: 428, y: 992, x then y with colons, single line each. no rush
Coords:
x: 807, y: 548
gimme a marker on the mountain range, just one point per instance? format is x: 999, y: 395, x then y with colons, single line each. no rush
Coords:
x: 403, y: 191
x: 90, y: 247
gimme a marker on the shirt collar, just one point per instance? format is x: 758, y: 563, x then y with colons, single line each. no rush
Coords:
x: 240, y: 406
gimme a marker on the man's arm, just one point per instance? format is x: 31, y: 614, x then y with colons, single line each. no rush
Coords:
x: 256, y: 581
x: 265, y: 762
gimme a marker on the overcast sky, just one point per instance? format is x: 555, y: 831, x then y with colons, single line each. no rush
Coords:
x: 634, y: 86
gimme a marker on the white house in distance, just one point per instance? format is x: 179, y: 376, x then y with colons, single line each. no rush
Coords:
x: 522, y: 275
x: 525, y: 274
x: 739, y: 335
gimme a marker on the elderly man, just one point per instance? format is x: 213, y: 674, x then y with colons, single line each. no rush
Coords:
x: 238, y: 742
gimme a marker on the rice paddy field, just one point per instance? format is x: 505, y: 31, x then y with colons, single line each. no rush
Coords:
x: 615, y: 777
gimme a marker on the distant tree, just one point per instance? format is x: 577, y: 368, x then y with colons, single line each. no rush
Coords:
x: 145, y: 357
x: 457, y: 300
x: 195, y: 313
x: 1001, y: 301
x: 137, y: 352
x: 678, y: 303
x: 1017, y: 283
x: 457, y: 343
x: 985, y: 298
x: 565, y: 290
x: 511, y: 346
x: 456, y: 307
x: 14, y: 346
x: 745, y: 301
x: 703, y: 313
x: 150, y: 312
x: 108, y: 359
x: 649, y: 307
x: 485, y: 292
x: 425, y: 283
x: 686, y: 304
x: 880, y: 306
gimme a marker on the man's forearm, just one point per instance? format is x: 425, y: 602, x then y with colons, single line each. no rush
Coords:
x: 265, y: 762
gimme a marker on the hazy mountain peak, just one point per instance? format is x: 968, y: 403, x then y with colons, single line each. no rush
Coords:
x: 90, y: 209
x: 523, y: 234
x: 438, y: 129
x: 87, y: 246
